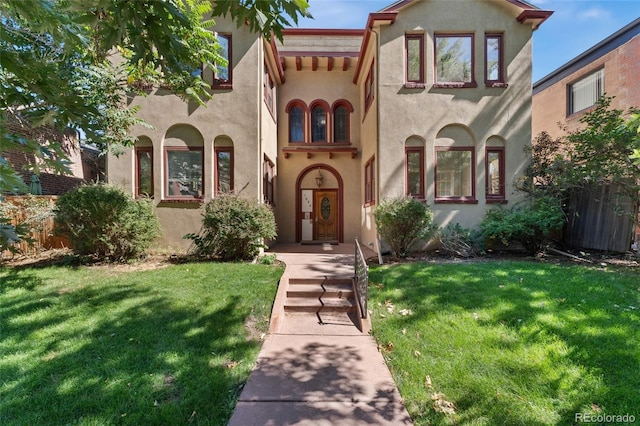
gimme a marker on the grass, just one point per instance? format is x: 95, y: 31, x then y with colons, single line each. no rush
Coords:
x: 87, y: 346
x: 512, y: 342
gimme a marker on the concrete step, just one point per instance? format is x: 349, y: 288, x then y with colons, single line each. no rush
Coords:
x: 309, y: 304
x: 326, y: 281
x: 339, y: 291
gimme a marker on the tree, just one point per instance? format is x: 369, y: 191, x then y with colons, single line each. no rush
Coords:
x: 71, y: 63
x: 602, y: 152
x: 56, y: 68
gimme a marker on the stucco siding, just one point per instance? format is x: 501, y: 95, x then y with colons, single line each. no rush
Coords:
x: 485, y: 112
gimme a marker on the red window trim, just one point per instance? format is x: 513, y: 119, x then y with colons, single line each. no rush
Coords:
x: 305, y: 112
x: 269, y: 91
x: 419, y: 83
x: 500, y: 82
x: 186, y: 198
x: 268, y: 177
x: 454, y: 84
x: 327, y: 119
x: 455, y: 200
x: 345, y: 103
x: 369, y: 87
x: 370, y: 184
x: 139, y: 150
x: 217, y: 150
x: 501, y: 197
x: 229, y: 83
x: 420, y: 150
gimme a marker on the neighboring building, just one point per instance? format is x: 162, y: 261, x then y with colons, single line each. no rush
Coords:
x: 85, y: 163
x: 432, y: 99
x: 560, y: 99
x: 611, y: 67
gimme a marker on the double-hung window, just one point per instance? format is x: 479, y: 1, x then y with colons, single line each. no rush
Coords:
x: 454, y: 60
x: 586, y: 92
x: 454, y: 175
x: 184, y: 177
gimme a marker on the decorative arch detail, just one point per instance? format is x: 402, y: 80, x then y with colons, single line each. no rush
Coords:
x: 340, y: 197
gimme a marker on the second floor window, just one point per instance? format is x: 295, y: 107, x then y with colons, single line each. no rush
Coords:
x: 585, y: 92
x: 296, y: 124
x: 454, y: 60
x: 222, y: 73
x: 341, y: 124
x: 414, y: 51
x: 318, y: 124
x: 494, y: 67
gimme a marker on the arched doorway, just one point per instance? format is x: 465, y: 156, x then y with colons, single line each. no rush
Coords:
x: 319, y: 205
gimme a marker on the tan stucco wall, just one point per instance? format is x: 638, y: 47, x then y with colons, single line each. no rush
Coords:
x: 330, y: 86
x: 234, y: 114
x: 621, y: 79
x: 502, y: 113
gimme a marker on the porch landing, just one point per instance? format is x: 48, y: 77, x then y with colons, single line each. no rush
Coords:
x: 318, y: 366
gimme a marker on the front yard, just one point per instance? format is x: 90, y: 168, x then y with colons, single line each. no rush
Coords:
x: 510, y: 342
x: 90, y: 346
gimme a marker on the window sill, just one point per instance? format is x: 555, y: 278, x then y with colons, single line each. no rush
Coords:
x: 414, y: 85
x: 182, y: 200
x: 370, y: 204
x: 496, y: 84
x: 455, y: 85
x: 456, y: 201
x: 222, y: 86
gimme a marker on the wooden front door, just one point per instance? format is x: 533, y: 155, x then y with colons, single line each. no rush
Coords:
x: 326, y: 215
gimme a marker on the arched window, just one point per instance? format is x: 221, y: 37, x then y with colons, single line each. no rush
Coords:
x: 296, y: 110
x: 341, y: 121
x: 318, y: 124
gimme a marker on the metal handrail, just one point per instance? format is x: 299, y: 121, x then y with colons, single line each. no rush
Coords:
x: 361, y: 277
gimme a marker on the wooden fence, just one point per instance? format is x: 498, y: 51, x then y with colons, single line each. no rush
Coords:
x: 42, y: 228
x: 594, y: 223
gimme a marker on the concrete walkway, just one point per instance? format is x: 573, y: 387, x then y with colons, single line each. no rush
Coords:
x: 312, y: 372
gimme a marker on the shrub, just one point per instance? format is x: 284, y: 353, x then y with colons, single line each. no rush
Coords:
x: 531, y: 223
x: 402, y: 222
x: 460, y: 241
x: 234, y: 228
x: 103, y: 221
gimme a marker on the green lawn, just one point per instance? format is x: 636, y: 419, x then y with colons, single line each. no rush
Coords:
x: 88, y: 346
x: 511, y: 343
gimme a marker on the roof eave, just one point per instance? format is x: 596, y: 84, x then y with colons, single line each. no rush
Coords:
x: 380, y: 18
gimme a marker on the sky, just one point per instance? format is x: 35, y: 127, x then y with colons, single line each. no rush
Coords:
x: 575, y: 26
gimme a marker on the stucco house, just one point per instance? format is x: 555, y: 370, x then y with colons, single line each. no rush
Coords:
x: 431, y: 99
